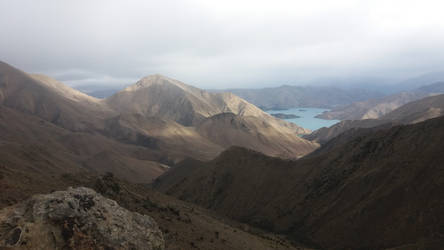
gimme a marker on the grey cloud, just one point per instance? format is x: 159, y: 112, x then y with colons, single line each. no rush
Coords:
x: 222, y: 44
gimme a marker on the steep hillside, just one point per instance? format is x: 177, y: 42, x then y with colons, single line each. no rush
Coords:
x: 374, y: 190
x: 417, y: 111
x: 285, y: 97
x: 50, y: 100
x: 35, y: 146
x: 254, y: 133
x: 376, y: 108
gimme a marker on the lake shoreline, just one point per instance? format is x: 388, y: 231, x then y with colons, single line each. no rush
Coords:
x: 304, y: 117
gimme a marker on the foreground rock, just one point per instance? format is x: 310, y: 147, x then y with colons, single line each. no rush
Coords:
x: 76, y: 219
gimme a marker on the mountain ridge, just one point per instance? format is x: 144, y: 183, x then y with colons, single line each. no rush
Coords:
x: 412, y: 112
x: 376, y: 108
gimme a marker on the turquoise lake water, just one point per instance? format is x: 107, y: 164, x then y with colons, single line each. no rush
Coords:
x: 307, y: 117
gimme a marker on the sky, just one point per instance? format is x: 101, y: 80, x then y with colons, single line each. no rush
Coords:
x: 223, y: 44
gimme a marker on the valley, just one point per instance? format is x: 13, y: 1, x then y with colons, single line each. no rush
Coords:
x: 221, y: 125
x: 216, y: 172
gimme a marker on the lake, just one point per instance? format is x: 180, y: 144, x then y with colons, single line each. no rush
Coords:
x: 307, y: 117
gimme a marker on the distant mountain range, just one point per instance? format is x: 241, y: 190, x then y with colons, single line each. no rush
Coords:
x: 376, y: 108
x: 412, y: 112
x: 286, y: 96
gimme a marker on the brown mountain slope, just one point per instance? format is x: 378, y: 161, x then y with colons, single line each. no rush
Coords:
x: 378, y: 190
x: 251, y: 132
x: 34, y: 146
x: 50, y: 100
x: 197, y: 111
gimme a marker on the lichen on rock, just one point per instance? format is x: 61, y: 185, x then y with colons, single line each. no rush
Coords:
x: 78, y: 218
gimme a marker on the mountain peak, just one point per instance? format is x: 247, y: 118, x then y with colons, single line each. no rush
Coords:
x: 156, y: 79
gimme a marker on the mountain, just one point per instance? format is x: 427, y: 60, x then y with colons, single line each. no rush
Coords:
x: 376, y: 108
x: 418, y: 81
x: 51, y: 100
x: 53, y: 137
x: 372, y: 189
x: 50, y: 129
x: 417, y: 111
x: 222, y: 119
x: 170, y: 99
x: 412, y: 112
x: 286, y: 96
x: 136, y: 133
x: 31, y: 146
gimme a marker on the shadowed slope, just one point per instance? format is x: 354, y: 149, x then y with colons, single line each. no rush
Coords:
x: 34, y: 146
x: 375, y: 190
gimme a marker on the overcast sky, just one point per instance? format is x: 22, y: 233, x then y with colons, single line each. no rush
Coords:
x: 222, y: 44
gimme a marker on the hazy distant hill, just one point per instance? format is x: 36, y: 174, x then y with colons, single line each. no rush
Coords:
x: 374, y: 189
x: 412, y: 112
x: 418, y: 111
x: 376, y: 108
x: 103, y: 93
x: 418, y: 81
x: 286, y: 96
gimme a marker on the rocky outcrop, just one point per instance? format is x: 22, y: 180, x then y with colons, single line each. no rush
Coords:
x: 77, y: 218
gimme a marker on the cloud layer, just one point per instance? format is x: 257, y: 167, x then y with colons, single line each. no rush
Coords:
x: 221, y: 44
